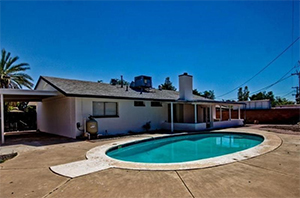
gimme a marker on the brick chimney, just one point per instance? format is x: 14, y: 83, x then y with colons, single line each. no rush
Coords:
x: 185, y: 87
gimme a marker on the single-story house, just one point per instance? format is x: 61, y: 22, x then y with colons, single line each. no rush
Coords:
x: 121, y: 109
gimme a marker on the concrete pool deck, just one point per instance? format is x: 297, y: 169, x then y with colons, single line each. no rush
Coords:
x: 97, y: 159
x: 274, y: 174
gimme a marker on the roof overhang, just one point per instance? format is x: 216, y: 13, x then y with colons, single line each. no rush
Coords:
x: 10, y: 95
x: 218, y: 102
x: 210, y: 102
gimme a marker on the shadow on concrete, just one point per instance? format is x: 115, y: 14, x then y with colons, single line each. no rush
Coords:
x: 34, y: 139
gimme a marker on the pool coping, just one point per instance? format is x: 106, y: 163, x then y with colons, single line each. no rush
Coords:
x: 98, y: 160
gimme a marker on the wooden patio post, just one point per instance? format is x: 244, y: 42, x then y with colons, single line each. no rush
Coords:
x: 2, y: 119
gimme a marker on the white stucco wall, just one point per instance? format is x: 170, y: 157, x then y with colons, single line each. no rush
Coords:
x: 185, y: 126
x: 228, y: 123
x: 130, y: 118
x: 57, y: 116
x: 202, y: 126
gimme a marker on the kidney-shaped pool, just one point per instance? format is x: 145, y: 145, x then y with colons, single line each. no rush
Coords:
x: 173, y: 152
x: 184, y: 148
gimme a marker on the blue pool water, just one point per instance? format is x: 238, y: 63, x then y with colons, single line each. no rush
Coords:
x: 184, y: 148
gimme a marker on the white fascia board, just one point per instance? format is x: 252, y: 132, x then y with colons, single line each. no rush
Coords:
x: 28, y: 92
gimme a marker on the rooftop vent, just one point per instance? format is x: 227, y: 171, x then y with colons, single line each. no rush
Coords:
x: 160, y: 87
x: 122, y: 81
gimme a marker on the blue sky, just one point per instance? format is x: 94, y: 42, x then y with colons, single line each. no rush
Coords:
x: 220, y: 43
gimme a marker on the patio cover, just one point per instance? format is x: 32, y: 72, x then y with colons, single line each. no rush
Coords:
x: 10, y: 95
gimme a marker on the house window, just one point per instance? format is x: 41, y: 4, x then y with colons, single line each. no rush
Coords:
x: 156, y: 104
x: 139, y: 103
x: 105, y: 109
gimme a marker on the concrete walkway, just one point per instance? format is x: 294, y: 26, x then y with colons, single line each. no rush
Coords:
x: 275, y: 174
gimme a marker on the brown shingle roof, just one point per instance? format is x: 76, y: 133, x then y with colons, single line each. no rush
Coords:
x: 93, y: 89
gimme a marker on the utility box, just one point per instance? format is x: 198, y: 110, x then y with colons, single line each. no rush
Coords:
x: 143, y: 81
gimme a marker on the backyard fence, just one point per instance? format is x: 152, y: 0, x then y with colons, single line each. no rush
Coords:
x: 265, y: 116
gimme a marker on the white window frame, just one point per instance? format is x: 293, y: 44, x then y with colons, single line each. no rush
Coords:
x: 104, y: 109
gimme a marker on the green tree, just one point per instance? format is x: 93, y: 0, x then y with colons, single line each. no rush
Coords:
x: 206, y: 94
x: 11, y: 74
x: 240, y: 94
x: 116, y: 81
x: 246, y: 93
x: 282, y: 101
x: 196, y: 92
x: 168, y: 85
x: 264, y: 95
x: 209, y: 94
x: 243, y: 95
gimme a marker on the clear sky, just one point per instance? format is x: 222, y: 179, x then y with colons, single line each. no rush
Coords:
x: 220, y: 43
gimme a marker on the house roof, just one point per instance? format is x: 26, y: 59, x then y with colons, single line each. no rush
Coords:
x: 80, y: 88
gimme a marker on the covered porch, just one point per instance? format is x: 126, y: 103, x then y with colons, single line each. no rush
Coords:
x: 201, y: 115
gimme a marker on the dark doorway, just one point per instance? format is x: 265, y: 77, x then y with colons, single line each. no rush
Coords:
x: 20, y: 117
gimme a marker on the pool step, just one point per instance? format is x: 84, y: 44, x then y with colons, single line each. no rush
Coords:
x: 79, y: 168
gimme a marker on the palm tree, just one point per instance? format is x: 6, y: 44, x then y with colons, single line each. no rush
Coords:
x: 12, y: 75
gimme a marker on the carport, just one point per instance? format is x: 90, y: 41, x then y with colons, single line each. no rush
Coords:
x: 11, y: 95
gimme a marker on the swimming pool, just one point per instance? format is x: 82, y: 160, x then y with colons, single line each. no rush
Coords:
x: 184, y: 148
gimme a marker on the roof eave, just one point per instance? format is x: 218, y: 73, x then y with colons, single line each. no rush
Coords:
x: 217, y: 102
x: 118, y: 97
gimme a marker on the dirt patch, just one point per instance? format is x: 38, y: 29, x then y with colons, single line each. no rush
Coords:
x: 5, y: 157
x: 294, y: 128
x: 286, y: 129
